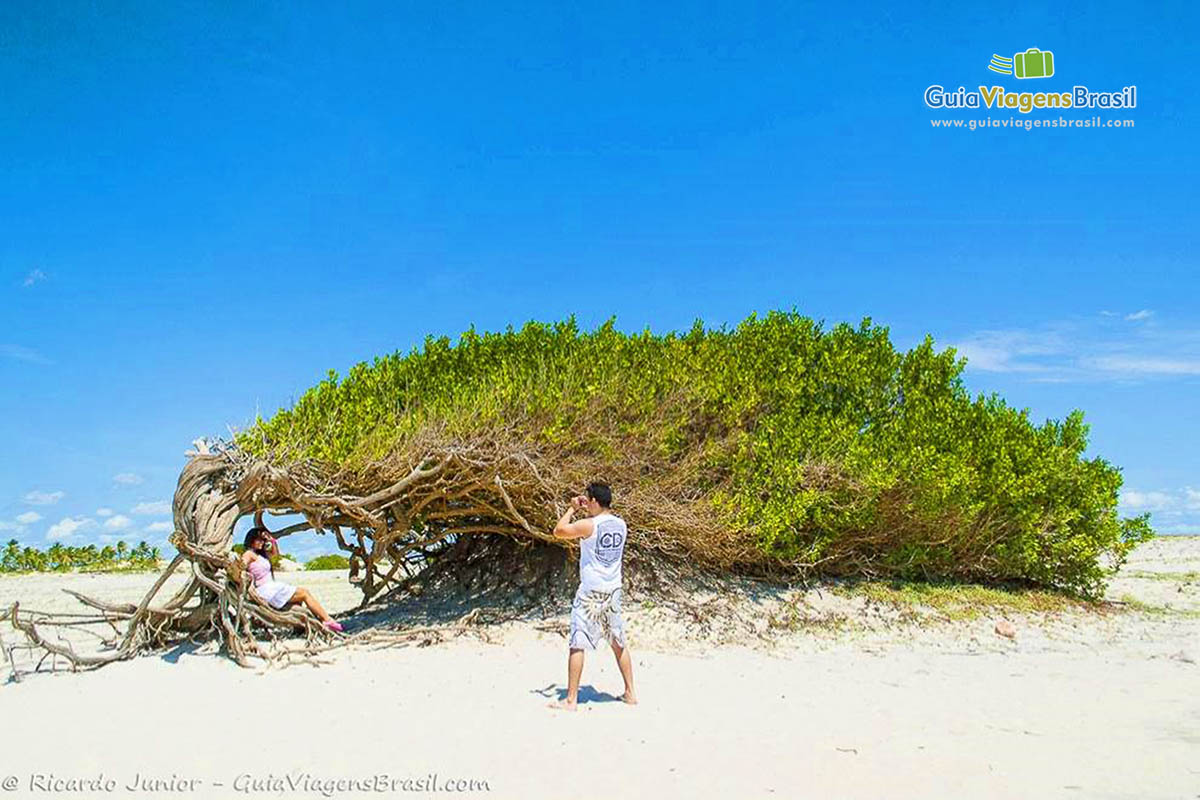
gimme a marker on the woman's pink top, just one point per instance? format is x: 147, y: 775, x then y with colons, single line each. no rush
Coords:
x: 260, y: 570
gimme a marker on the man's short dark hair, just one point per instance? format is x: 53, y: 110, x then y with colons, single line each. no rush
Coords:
x: 601, y: 493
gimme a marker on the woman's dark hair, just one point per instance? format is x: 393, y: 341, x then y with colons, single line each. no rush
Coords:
x: 256, y: 535
x: 601, y: 493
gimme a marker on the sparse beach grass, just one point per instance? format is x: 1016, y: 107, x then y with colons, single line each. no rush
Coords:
x: 1132, y: 603
x: 962, y: 601
x: 1177, y: 577
x: 848, y: 606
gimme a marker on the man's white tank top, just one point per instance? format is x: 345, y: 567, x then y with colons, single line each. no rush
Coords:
x: 600, y: 554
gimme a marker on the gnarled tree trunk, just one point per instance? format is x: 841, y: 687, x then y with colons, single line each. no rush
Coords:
x: 414, y: 514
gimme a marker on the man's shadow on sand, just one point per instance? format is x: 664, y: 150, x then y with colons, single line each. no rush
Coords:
x: 587, y: 694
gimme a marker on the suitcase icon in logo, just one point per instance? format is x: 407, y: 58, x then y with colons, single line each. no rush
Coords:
x: 1033, y: 63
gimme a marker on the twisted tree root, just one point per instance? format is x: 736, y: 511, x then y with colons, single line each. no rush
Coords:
x: 448, y: 495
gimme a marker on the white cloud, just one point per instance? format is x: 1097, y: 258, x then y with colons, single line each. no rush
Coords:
x: 1191, y: 499
x: 28, y: 518
x: 104, y: 512
x: 159, y: 527
x: 157, y: 507
x: 1010, y: 351
x: 21, y: 353
x: 36, y: 498
x: 1172, y: 511
x: 128, y: 479
x: 68, y: 527
x: 1143, y: 365
x: 35, y: 276
x: 1133, y: 316
x: 118, y: 523
x: 1135, y: 500
x: 1101, y: 348
x: 9, y: 526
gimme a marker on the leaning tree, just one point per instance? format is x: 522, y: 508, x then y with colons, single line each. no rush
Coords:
x: 778, y: 448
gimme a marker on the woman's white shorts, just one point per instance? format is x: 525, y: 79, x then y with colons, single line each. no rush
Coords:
x: 275, y: 593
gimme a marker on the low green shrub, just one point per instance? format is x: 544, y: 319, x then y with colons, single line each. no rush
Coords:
x: 331, y: 561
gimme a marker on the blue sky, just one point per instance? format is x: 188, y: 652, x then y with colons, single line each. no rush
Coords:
x: 204, y: 208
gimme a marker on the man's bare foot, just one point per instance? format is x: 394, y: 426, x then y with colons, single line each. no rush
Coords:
x: 562, y: 705
x: 630, y: 698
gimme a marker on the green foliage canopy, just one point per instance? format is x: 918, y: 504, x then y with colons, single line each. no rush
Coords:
x: 828, y: 448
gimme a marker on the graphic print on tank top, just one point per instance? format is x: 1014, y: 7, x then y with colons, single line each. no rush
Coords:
x: 610, y: 540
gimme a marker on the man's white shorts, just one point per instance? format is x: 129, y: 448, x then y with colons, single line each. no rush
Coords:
x: 596, y: 617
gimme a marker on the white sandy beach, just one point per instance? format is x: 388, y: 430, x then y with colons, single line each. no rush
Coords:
x: 1078, y: 705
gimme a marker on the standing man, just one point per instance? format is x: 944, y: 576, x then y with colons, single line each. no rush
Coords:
x: 596, y: 610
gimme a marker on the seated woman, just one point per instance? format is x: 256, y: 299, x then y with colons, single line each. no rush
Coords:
x: 260, y: 546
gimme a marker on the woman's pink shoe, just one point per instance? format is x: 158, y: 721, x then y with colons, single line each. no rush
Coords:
x: 335, y: 626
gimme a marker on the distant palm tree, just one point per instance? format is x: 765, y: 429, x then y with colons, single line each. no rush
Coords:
x: 141, y: 555
x: 33, y: 560
x: 11, y: 560
x: 57, y: 557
